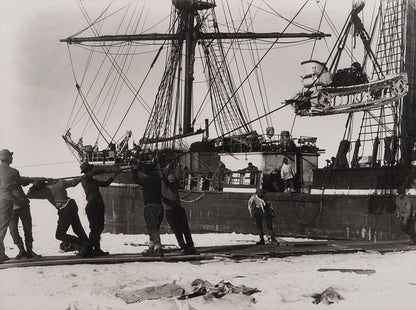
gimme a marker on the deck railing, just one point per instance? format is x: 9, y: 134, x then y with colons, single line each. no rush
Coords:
x: 195, y: 180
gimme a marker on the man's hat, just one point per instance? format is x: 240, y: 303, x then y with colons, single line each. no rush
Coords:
x: 85, y: 166
x: 5, y: 153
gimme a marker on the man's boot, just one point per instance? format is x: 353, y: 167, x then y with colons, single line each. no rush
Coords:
x: 30, y: 253
x: 22, y: 252
x: 190, y: 250
x: 86, y: 250
x: 3, y: 258
x: 272, y: 238
x: 158, y: 250
x: 261, y: 242
x: 99, y: 252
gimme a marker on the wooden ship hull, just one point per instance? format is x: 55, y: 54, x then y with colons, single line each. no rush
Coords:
x: 360, y: 205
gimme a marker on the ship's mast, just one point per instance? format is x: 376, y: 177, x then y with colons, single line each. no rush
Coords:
x: 409, y: 102
x: 190, y: 35
x: 189, y: 69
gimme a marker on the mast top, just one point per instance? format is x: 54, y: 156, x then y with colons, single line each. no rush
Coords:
x: 192, y: 5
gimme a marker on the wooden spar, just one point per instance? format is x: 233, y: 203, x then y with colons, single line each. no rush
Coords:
x: 158, y: 140
x: 199, y: 35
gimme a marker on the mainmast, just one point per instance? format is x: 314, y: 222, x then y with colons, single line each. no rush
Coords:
x: 188, y: 12
x: 409, y: 101
x: 188, y: 32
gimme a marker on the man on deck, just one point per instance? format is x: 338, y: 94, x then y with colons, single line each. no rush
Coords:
x: 253, y: 170
x: 288, y: 175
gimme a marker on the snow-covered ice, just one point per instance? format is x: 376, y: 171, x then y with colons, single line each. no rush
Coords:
x: 285, y: 283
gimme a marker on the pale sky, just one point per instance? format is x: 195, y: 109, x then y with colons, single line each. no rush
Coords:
x: 37, y: 88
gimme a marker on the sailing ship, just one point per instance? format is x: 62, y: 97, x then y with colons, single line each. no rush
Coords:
x: 347, y: 199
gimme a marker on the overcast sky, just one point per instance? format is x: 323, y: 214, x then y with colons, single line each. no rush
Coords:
x: 37, y: 87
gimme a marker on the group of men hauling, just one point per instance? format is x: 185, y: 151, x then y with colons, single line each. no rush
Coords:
x: 160, y: 195
x: 160, y: 192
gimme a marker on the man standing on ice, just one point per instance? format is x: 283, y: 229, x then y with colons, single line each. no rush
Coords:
x: 175, y: 213
x: 95, y: 206
x: 406, y: 211
x: 151, y: 183
x: 11, y: 192
x: 260, y: 210
x: 21, y: 210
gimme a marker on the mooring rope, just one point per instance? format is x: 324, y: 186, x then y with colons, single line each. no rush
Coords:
x: 297, y: 215
x: 194, y: 200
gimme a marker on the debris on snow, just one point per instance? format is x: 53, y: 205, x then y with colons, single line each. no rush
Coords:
x: 167, y: 290
x: 327, y: 297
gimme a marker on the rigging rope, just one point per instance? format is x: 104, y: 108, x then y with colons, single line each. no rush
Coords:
x: 83, y: 99
x: 48, y: 164
x: 319, y: 27
x: 244, y: 19
x: 304, y: 27
x: 313, y: 218
x: 97, y: 20
x: 262, y: 91
x: 218, y: 94
x: 254, y: 120
x: 264, y: 55
x: 138, y: 90
x: 117, y: 67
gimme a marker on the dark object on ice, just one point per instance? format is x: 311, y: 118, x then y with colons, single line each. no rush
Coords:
x: 327, y: 297
x: 202, y: 287
x: 69, y: 246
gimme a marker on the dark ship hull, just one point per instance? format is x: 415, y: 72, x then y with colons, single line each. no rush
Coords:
x: 359, y: 204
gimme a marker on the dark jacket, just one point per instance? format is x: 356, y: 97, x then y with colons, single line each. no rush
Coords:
x: 170, y: 193
x: 152, y: 187
x: 11, y: 185
x: 92, y: 187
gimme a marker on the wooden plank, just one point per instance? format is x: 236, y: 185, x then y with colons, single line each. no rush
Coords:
x: 110, y: 259
x: 236, y: 252
x: 357, y: 271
